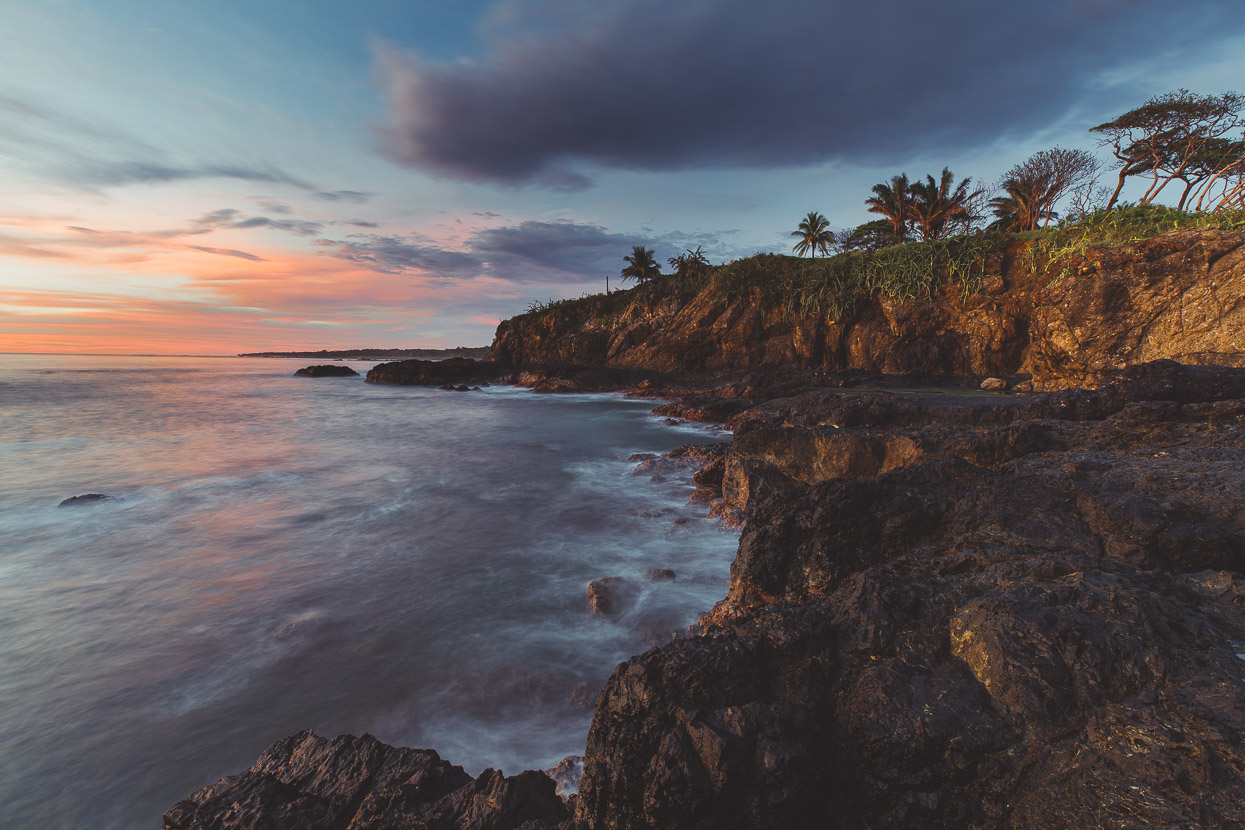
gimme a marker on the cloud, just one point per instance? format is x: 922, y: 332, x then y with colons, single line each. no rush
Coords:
x: 355, y: 197
x: 232, y: 218
x: 531, y: 251
x: 228, y: 252
x: 118, y: 173
x: 86, y: 154
x: 564, y: 87
x: 396, y: 255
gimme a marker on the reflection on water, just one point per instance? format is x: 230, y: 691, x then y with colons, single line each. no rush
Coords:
x: 285, y: 553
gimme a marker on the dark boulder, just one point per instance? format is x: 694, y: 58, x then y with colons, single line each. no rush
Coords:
x: 85, y: 499
x: 611, y: 595
x: 327, y: 371
x: 457, y: 371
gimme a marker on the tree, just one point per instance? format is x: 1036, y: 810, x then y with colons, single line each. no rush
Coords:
x: 641, y: 266
x: 871, y: 236
x: 1022, y: 205
x: 933, y: 204
x: 1163, y: 139
x: 815, y: 235
x: 1048, y: 175
x: 689, y: 262
x: 894, y: 202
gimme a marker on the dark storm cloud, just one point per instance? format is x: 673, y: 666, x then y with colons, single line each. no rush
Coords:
x: 566, y: 85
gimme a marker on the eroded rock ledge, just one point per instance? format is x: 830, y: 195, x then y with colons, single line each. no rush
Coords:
x: 946, y: 610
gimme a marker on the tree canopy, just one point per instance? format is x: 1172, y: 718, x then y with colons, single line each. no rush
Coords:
x: 894, y: 202
x: 1178, y: 135
x: 934, y: 204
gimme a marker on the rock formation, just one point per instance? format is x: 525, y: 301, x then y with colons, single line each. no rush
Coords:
x: 84, y: 499
x: 1178, y: 296
x: 326, y: 371
x: 358, y: 783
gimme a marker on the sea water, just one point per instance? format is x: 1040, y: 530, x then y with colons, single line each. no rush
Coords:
x: 283, y: 553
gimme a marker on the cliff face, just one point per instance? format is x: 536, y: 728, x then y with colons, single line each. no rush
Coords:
x: 1179, y: 296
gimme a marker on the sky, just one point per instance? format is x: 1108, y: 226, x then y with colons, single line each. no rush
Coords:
x: 184, y: 177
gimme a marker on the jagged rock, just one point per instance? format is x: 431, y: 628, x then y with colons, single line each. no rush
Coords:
x: 358, y: 783
x: 659, y: 575
x: 994, y: 384
x: 611, y: 595
x: 85, y: 499
x: 1048, y: 642
x: 566, y: 774
x: 326, y: 371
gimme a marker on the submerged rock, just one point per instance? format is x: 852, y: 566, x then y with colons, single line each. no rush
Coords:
x: 85, y: 499
x: 326, y: 371
x: 611, y: 595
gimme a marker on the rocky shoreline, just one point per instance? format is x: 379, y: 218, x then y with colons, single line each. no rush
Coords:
x: 947, y: 608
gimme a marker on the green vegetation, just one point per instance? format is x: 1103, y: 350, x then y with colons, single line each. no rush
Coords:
x: 1063, y: 246
x: 836, y: 287
x: 1191, y: 139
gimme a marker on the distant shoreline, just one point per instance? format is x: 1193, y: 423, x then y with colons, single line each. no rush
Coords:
x: 378, y: 354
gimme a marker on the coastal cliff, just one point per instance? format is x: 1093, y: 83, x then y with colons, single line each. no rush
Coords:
x: 948, y: 607
x: 1177, y: 296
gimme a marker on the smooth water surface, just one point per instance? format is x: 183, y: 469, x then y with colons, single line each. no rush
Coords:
x: 286, y: 553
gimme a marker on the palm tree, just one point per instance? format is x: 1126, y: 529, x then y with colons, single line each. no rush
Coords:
x: 934, y: 204
x: 894, y: 201
x: 1025, y: 203
x: 815, y: 235
x: 642, y: 266
x: 689, y: 262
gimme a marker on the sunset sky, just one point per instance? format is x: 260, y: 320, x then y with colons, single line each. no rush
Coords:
x: 215, y: 177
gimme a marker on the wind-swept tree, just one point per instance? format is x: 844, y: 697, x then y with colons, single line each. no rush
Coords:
x: 1045, y: 177
x: 893, y: 201
x: 934, y: 204
x: 815, y: 235
x: 1163, y: 138
x: 641, y: 266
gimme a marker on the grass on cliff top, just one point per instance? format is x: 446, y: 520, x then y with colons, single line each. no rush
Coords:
x: 1055, y: 249
x: 838, y: 286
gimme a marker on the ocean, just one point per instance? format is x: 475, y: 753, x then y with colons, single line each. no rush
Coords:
x: 284, y: 553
